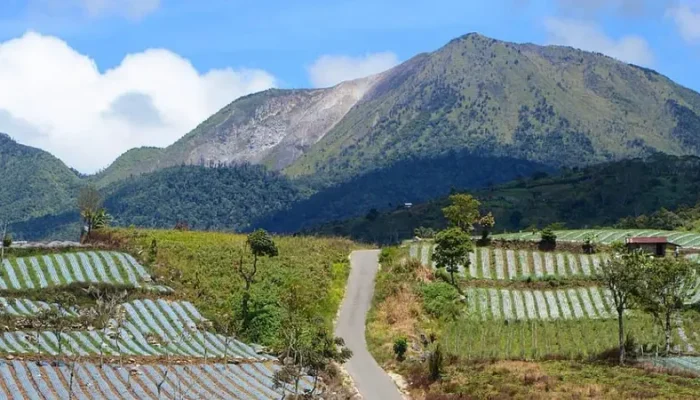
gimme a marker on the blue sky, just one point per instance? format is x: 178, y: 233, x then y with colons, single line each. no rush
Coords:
x: 92, y: 63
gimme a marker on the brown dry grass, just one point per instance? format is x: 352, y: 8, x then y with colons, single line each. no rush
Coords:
x: 400, y: 312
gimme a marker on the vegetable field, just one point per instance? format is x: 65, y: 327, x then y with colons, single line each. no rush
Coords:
x: 146, y: 328
x: 523, y: 305
x: 63, y: 269
x: 27, y: 380
x: 500, y: 264
x: 608, y: 236
x: 151, y: 328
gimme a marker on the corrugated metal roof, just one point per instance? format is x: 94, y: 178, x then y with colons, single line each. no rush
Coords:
x: 647, y: 240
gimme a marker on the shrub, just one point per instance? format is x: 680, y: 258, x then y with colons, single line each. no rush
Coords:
x: 440, y: 299
x: 388, y: 255
x: 435, y: 362
x: 400, y: 348
x: 548, y: 239
x: 7, y: 240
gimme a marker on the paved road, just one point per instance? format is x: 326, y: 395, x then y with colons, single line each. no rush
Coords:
x: 372, y: 382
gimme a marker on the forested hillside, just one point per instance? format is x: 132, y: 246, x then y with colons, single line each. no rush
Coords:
x: 578, y: 197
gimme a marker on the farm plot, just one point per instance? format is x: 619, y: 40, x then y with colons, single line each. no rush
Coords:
x: 151, y: 328
x: 690, y: 364
x: 608, y: 236
x: 500, y: 264
x: 580, y: 303
x: 63, y: 269
x: 23, y: 379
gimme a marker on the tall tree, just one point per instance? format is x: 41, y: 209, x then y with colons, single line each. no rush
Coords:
x: 487, y: 223
x: 667, y: 284
x: 259, y: 244
x: 463, y: 211
x: 452, y: 250
x: 622, y: 275
x: 89, y: 205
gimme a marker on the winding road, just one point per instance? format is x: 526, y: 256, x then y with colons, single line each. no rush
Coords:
x: 370, y: 379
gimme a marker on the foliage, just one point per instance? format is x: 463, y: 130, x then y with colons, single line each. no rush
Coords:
x: 487, y: 223
x: 548, y: 237
x: 583, y: 197
x: 590, y: 243
x: 435, y: 363
x: 93, y: 214
x: 199, y: 266
x: 452, y: 250
x: 7, y: 240
x: 441, y: 300
x: 666, y: 285
x: 424, y: 233
x: 463, y: 211
x: 622, y: 275
x: 259, y: 244
x: 400, y: 348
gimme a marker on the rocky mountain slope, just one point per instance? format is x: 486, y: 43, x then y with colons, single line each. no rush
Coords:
x: 273, y: 127
x: 552, y: 105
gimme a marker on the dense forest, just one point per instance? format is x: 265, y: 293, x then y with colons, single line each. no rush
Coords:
x: 631, y: 193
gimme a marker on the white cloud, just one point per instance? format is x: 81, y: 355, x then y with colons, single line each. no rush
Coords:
x: 590, y: 37
x: 329, y: 70
x: 57, y: 99
x: 134, y: 9
x: 687, y: 19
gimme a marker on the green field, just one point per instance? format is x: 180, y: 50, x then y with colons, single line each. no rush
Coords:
x: 609, y: 236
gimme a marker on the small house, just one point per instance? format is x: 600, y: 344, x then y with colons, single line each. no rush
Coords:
x: 656, y: 246
x: 407, y: 205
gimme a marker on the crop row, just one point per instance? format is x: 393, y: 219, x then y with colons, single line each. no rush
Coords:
x: 63, y: 269
x: 499, y: 264
x: 524, y: 305
x: 608, y: 236
x: 150, y: 328
x: 27, y: 380
x: 691, y: 364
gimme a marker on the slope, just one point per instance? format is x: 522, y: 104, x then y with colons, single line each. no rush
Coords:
x: 592, y: 196
x: 553, y: 105
x: 34, y: 182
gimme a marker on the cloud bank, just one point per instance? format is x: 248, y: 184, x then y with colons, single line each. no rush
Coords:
x: 329, y: 70
x: 57, y: 99
x: 590, y: 37
x: 687, y: 19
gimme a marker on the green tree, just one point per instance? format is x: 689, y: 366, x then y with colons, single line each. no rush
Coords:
x: 667, y: 284
x: 259, y: 244
x: 622, y: 275
x: 463, y: 211
x: 487, y: 223
x: 400, y: 348
x: 91, y: 211
x: 452, y: 250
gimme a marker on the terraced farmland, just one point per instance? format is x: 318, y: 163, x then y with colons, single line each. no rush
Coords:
x: 499, y: 264
x: 58, y: 269
x: 608, y: 236
x: 151, y: 328
x: 27, y: 380
x: 36, y: 362
x: 523, y: 305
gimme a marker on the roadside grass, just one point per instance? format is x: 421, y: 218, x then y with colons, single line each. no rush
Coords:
x: 553, y: 380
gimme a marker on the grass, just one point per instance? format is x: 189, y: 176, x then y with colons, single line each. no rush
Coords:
x: 200, y: 267
x: 515, y: 359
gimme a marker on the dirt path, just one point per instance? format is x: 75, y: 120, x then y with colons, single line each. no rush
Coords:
x: 371, y: 380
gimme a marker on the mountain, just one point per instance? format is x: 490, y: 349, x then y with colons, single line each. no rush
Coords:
x: 552, y: 105
x: 273, y: 128
x: 34, y: 183
x: 600, y: 195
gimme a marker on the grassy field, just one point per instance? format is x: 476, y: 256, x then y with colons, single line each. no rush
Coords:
x: 200, y: 267
x: 515, y: 338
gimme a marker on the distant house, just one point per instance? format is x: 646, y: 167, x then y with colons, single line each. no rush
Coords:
x: 407, y: 205
x: 652, y: 245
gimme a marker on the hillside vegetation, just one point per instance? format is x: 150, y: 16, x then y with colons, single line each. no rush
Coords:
x: 578, y: 197
x: 200, y: 267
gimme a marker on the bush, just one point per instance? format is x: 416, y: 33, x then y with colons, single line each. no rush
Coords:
x: 388, y: 255
x: 7, y: 240
x: 440, y: 299
x: 435, y: 361
x: 548, y: 239
x: 400, y: 348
